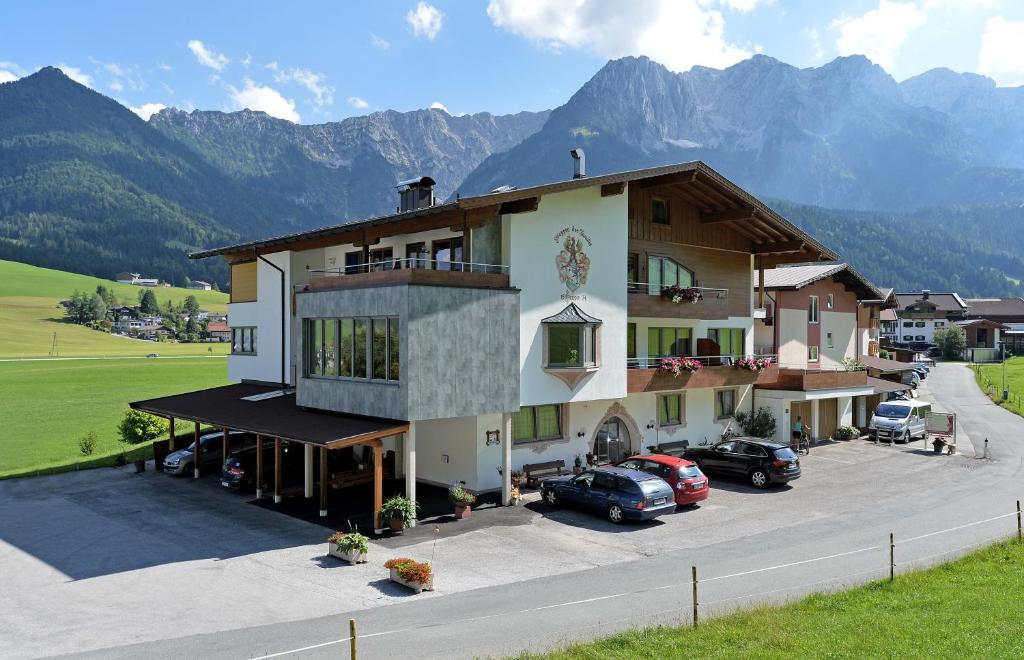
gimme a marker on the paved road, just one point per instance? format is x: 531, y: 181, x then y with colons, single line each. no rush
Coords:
x: 842, y: 543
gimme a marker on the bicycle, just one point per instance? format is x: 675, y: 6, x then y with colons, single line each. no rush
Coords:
x: 803, y: 443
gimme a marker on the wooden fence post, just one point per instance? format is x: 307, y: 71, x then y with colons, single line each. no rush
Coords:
x: 892, y: 557
x: 1020, y: 530
x: 352, y: 638
x: 694, y: 573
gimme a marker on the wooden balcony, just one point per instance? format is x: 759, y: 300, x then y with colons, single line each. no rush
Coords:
x: 716, y: 304
x: 655, y: 380
x: 493, y: 277
x: 806, y: 380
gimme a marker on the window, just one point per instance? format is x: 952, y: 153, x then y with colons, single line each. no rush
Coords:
x: 908, y: 324
x: 668, y: 342
x: 940, y: 324
x: 381, y: 259
x: 353, y: 262
x: 830, y: 301
x: 243, y: 282
x: 417, y: 255
x: 571, y: 345
x: 812, y: 310
x: 729, y: 340
x: 631, y: 341
x: 908, y: 337
x: 448, y: 254
x: 982, y: 336
x: 243, y: 341
x: 919, y: 338
x: 919, y: 324
x: 534, y: 423
x: 670, y: 409
x: 812, y: 353
x: 632, y: 269
x: 659, y: 211
x: 828, y: 340
x: 725, y: 403
x: 663, y: 272
x: 352, y: 348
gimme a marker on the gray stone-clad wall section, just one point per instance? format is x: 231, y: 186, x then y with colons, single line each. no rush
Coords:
x: 460, y: 352
x: 358, y: 397
x: 486, y: 242
x: 466, y: 348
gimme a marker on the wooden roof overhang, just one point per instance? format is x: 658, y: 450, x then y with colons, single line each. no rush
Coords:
x: 773, y: 239
x: 277, y: 417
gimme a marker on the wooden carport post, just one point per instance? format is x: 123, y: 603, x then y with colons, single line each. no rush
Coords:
x: 196, y: 453
x: 170, y: 435
x: 323, y: 482
x: 378, y: 484
x: 224, y: 448
x: 259, y: 467
x: 277, y: 470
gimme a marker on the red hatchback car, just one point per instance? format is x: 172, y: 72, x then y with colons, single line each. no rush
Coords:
x: 687, y: 481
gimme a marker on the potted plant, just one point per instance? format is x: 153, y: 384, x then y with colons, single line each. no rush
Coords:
x: 677, y: 365
x: 591, y: 459
x: 754, y: 363
x: 577, y: 465
x: 462, y: 499
x: 399, y: 512
x: 680, y: 294
x: 938, y: 444
x: 410, y: 573
x: 352, y: 547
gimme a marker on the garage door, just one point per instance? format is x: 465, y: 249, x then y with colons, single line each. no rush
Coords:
x: 801, y: 409
x: 828, y: 413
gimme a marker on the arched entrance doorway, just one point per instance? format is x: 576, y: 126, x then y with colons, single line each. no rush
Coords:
x: 612, y: 442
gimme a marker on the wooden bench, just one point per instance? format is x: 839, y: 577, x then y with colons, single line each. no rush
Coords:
x: 534, y: 471
x: 672, y: 448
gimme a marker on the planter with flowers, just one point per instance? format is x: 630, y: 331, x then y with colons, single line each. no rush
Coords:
x: 682, y: 294
x: 462, y: 500
x: 352, y: 547
x: 751, y: 363
x: 677, y: 366
x: 410, y: 573
x: 398, y: 512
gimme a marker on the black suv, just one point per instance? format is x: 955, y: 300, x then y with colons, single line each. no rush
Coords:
x: 762, y: 462
x: 240, y: 467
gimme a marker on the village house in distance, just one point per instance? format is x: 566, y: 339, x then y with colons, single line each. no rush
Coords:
x: 470, y: 338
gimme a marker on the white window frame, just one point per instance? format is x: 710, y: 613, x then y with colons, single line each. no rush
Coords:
x: 828, y: 340
x: 830, y: 302
x: 812, y: 353
x: 734, y: 402
x: 813, y: 310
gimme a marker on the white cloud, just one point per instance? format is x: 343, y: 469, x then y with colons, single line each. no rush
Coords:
x: 814, y: 37
x: 379, y: 42
x: 316, y: 83
x: 7, y: 76
x: 9, y: 72
x: 676, y: 33
x: 260, y: 97
x: 207, y: 56
x: 358, y: 103
x: 880, y: 32
x: 147, y: 110
x: 273, y: 66
x: 163, y: 66
x: 744, y: 6
x: 425, y: 20
x: 961, y: 5
x: 437, y: 105
x: 1002, y: 51
x: 115, y: 85
x: 76, y: 74
x: 247, y: 60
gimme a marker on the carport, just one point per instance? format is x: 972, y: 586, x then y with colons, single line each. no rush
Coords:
x: 270, y: 413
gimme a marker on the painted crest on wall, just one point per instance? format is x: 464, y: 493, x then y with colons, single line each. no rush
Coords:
x: 572, y: 261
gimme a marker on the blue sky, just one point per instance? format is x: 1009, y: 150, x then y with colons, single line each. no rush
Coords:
x: 321, y: 61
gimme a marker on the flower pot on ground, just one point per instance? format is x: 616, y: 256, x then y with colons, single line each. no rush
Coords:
x: 462, y: 500
x: 352, y: 547
x: 140, y: 466
x: 399, y: 512
x: 410, y: 573
x: 938, y: 444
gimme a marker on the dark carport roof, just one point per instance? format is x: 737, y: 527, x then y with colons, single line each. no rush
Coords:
x: 881, y: 385
x: 276, y: 417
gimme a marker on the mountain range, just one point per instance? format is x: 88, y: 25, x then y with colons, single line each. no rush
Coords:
x: 927, y: 174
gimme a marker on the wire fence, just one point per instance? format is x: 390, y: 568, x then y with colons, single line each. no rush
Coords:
x: 1014, y: 400
x: 714, y: 594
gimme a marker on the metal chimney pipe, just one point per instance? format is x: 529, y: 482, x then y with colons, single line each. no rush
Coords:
x: 579, y: 163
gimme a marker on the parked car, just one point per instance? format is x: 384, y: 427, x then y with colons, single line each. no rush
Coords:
x: 899, y: 421
x: 689, y: 484
x: 762, y: 462
x: 934, y: 352
x: 239, y: 470
x: 182, y: 462
x: 618, y: 493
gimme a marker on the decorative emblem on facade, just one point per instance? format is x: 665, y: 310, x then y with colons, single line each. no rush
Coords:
x: 572, y: 261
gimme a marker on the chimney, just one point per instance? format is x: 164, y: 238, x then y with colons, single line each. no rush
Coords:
x: 925, y: 293
x: 415, y: 194
x: 579, y: 163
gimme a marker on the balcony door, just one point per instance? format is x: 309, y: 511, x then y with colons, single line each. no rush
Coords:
x: 448, y: 254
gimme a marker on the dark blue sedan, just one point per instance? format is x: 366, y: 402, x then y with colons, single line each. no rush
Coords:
x: 618, y: 493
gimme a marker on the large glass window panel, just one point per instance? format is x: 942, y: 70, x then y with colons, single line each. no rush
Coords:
x: 669, y: 409
x: 318, y: 347
x: 631, y: 340
x: 330, y: 347
x: 522, y: 424
x: 360, y: 351
x: 549, y: 422
x: 345, y: 348
x: 564, y: 347
x: 394, y: 352
x: 654, y: 276
x: 379, y: 349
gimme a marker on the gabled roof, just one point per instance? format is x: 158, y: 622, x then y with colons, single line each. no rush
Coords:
x: 571, y: 314
x: 797, y: 277
x: 944, y: 302
x: 995, y: 307
x: 758, y: 222
x: 969, y: 322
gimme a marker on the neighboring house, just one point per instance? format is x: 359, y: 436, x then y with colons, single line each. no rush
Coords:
x: 127, y: 278
x: 1009, y: 312
x: 125, y: 312
x: 983, y: 339
x: 921, y: 314
x: 476, y: 337
x: 818, y: 319
x: 219, y: 330
x: 127, y: 325
x: 213, y: 317
x: 200, y: 285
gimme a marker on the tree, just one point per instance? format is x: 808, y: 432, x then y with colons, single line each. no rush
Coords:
x: 952, y: 341
x: 97, y: 308
x: 191, y: 330
x: 148, y: 304
x: 191, y: 306
x: 79, y: 308
x: 760, y: 424
x: 137, y: 427
x: 109, y: 298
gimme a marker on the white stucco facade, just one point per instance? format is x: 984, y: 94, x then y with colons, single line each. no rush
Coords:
x: 265, y: 315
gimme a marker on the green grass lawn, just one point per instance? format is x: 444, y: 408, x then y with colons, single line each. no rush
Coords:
x: 969, y: 608
x: 45, y: 406
x: 30, y: 316
x: 990, y: 380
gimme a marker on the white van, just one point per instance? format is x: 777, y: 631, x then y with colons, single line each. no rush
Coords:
x: 900, y: 420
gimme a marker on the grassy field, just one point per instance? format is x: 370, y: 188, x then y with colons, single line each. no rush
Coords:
x: 990, y: 380
x: 965, y: 609
x: 48, y: 404
x: 30, y: 315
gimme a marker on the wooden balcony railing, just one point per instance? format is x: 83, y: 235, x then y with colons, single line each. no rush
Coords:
x: 410, y: 271
x: 646, y: 375
x: 805, y: 380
